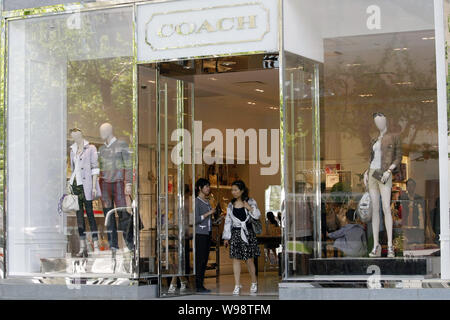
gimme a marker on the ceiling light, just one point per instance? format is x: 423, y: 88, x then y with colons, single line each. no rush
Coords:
x: 151, y: 81
x: 427, y: 101
x: 353, y: 64
x: 428, y: 38
x: 251, y: 103
x: 400, y: 49
x: 365, y: 95
x: 259, y: 90
x: 228, y: 63
x: 404, y: 83
x: 213, y: 79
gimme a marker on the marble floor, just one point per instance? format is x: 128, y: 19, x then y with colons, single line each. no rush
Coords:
x: 223, y: 289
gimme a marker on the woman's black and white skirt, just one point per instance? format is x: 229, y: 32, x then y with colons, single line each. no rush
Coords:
x: 241, y: 250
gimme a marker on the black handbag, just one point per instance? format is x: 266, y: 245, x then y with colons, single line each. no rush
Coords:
x: 130, y: 228
x: 257, y: 225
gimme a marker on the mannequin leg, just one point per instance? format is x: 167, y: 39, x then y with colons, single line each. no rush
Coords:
x: 91, y: 219
x: 375, y: 199
x: 124, y: 216
x: 107, y: 202
x: 386, y: 202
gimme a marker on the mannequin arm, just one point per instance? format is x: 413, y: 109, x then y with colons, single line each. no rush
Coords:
x: 94, y: 185
x: 366, y: 177
x: 128, y: 188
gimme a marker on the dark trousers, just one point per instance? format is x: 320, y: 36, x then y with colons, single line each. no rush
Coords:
x: 202, y: 245
x: 84, y: 204
x: 113, y: 195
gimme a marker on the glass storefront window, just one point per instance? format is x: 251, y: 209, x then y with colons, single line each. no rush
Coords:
x: 70, y: 89
x: 377, y: 110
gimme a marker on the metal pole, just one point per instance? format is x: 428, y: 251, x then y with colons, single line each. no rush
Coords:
x: 441, y: 67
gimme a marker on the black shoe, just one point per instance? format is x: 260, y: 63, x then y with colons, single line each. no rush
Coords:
x: 203, y: 290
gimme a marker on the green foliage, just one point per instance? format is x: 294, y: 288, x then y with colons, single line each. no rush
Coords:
x: 299, y: 133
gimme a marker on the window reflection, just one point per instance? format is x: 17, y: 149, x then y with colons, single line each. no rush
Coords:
x: 62, y: 77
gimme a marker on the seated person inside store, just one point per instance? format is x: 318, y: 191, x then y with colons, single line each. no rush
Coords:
x: 413, y: 217
x: 273, y: 230
x: 350, y: 239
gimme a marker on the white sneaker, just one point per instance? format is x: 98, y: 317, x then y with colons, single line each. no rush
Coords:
x: 183, y: 286
x: 172, y: 289
x: 237, y: 290
x: 254, y: 288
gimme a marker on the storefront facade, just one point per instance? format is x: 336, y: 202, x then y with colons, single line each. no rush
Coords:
x: 135, y: 74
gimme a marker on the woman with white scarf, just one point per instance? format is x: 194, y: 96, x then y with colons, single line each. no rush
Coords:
x: 239, y: 234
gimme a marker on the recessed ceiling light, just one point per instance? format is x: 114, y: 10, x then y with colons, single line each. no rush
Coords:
x: 400, y: 49
x: 428, y: 38
x: 365, y: 95
x: 213, y: 79
x: 427, y: 101
x: 259, y: 90
x: 228, y: 63
x: 353, y: 64
x: 251, y: 103
x: 405, y: 83
x: 151, y: 81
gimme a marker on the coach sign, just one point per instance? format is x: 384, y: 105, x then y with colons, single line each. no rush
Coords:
x: 206, y: 28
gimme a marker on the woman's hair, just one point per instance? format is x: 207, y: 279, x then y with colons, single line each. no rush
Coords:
x: 200, y: 184
x: 271, y: 218
x: 241, y: 185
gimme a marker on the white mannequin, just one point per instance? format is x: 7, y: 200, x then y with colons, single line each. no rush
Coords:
x: 385, y: 192
x: 78, y: 137
x: 106, y: 134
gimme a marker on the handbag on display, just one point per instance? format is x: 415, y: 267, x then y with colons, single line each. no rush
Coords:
x: 364, y: 210
x: 130, y: 227
x: 378, y: 174
x: 69, y: 202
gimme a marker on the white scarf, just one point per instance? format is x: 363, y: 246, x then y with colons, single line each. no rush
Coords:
x: 244, y: 231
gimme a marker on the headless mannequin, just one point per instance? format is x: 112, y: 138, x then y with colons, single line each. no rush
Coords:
x: 78, y: 137
x: 385, y: 192
x: 107, y: 135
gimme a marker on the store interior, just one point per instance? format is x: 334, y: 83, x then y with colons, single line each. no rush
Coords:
x: 229, y: 93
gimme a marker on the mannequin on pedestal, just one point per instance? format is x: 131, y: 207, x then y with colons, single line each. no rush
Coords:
x: 386, y: 157
x: 84, y: 183
x: 116, y: 178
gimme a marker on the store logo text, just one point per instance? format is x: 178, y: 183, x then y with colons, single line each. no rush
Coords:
x: 224, y: 24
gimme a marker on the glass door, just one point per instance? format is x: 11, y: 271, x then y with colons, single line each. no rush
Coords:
x: 302, y: 204
x: 175, y: 110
